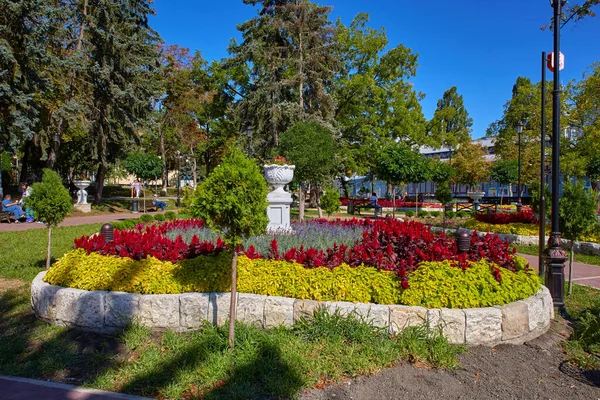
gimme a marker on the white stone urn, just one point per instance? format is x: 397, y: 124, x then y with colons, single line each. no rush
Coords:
x: 279, y: 200
x: 82, y: 194
x: 279, y: 175
x: 476, y: 196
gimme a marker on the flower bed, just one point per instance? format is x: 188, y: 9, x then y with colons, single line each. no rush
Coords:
x: 524, y: 217
x: 353, y: 260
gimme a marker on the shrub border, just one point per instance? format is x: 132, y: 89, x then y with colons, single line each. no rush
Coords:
x: 108, y: 312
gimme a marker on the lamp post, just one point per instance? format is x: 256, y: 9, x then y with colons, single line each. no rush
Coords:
x: 542, y: 200
x: 519, y: 132
x: 178, y: 179
x: 249, y: 133
x: 554, y: 254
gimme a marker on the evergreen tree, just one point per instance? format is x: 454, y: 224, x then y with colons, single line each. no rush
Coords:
x: 123, y: 60
x: 451, y: 123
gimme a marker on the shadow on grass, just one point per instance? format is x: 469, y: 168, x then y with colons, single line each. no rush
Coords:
x: 267, y: 375
x: 31, y: 348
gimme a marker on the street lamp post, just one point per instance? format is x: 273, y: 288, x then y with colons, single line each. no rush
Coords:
x: 542, y: 200
x: 554, y: 254
x: 178, y: 179
x: 249, y: 133
x: 519, y: 203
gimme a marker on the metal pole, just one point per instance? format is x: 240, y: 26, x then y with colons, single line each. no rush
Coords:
x: 542, y: 237
x: 178, y: 180
x: 555, y: 255
x: 519, y: 204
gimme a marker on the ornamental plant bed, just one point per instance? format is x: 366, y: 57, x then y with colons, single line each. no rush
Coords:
x: 399, y: 203
x: 524, y: 217
x: 351, y: 260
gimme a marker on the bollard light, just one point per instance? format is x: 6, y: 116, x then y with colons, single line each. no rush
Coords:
x: 463, y: 241
x: 107, y: 231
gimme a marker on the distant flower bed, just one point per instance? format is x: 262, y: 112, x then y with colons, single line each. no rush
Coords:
x: 524, y: 216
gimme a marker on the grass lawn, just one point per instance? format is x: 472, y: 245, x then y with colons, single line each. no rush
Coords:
x: 275, y: 363
x: 23, y: 253
x: 583, y: 258
x: 583, y: 347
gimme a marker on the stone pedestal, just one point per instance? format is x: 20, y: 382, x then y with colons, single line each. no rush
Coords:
x: 86, y: 208
x: 278, y: 211
x: 279, y: 200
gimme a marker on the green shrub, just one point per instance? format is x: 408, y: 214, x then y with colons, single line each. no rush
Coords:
x: 463, y: 214
x: 439, y: 284
x: 342, y: 283
x: 422, y: 214
x: 170, y: 215
x: 126, y: 224
x: 159, y: 217
x: 330, y: 201
x: 436, y: 213
x: 450, y: 214
x: 146, y: 218
x: 410, y: 213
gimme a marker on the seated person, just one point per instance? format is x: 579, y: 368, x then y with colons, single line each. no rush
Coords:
x: 28, y: 210
x: 157, y: 203
x: 12, y: 208
x: 373, y: 203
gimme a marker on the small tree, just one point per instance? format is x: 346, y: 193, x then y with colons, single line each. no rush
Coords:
x: 470, y: 164
x: 330, y: 201
x: 233, y: 199
x: 313, y: 150
x: 444, y: 196
x: 143, y: 166
x: 51, y: 203
x: 577, y: 212
x: 505, y: 172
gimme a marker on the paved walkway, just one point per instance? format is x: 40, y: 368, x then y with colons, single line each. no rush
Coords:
x: 583, y: 274
x: 13, y: 388
x: 73, y: 221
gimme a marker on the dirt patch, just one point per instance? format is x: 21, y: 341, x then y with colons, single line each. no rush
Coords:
x: 535, y: 370
x: 10, y: 284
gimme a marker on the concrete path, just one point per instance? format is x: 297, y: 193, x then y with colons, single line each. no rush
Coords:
x: 583, y: 274
x: 73, y: 221
x: 13, y: 388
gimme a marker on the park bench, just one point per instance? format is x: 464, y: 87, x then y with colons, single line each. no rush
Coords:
x: 5, y: 215
x: 356, y: 205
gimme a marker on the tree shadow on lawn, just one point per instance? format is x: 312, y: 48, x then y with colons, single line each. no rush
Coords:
x: 266, y: 375
x: 34, y: 349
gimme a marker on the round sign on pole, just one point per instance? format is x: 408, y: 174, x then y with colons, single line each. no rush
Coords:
x: 561, y: 61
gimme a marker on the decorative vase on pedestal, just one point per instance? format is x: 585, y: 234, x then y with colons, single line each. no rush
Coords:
x: 476, y: 196
x: 82, y: 204
x: 279, y: 200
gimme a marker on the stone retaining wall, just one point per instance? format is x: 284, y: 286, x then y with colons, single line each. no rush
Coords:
x: 580, y: 247
x: 109, y: 312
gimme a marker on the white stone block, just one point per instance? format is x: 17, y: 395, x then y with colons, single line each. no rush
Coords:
x: 453, y: 323
x: 405, y: 316
x: 159, y: 311
x: 193, y: 309
x: 250, y: 308
x: 515, y: 320
x: 218, y: 308
x: 306, y: 308
x: 483, y: 326
x: 80, y: 308
x: 538, y: 316
x: 278, y: 311
x: 121, y: 308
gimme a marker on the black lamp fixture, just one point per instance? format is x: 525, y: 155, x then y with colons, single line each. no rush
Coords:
x: 519, y: 132
x: 554, y: 255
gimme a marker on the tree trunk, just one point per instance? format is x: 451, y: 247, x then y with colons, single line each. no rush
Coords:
x: 393, y: 203
x: 314, y: 195
x: 232, y: 301
x: 163, y: 155
x: 345, y: 187
x: 301, y: 201
x: 194, y: 167
x: 444, y: 219
x: 49, y: 247
x: 25, y: 161
x: 571, y: 268
x: 100, y: 182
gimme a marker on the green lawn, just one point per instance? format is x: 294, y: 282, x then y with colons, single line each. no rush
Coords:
x: 583, y: 258
x: 583, y: 347
x: 23, y: 253
x: 275, y: 363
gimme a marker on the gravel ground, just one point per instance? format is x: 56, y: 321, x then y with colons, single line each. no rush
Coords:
x: 535, y: 370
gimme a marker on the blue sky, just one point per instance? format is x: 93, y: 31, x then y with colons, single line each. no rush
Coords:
x: 480, y: 46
